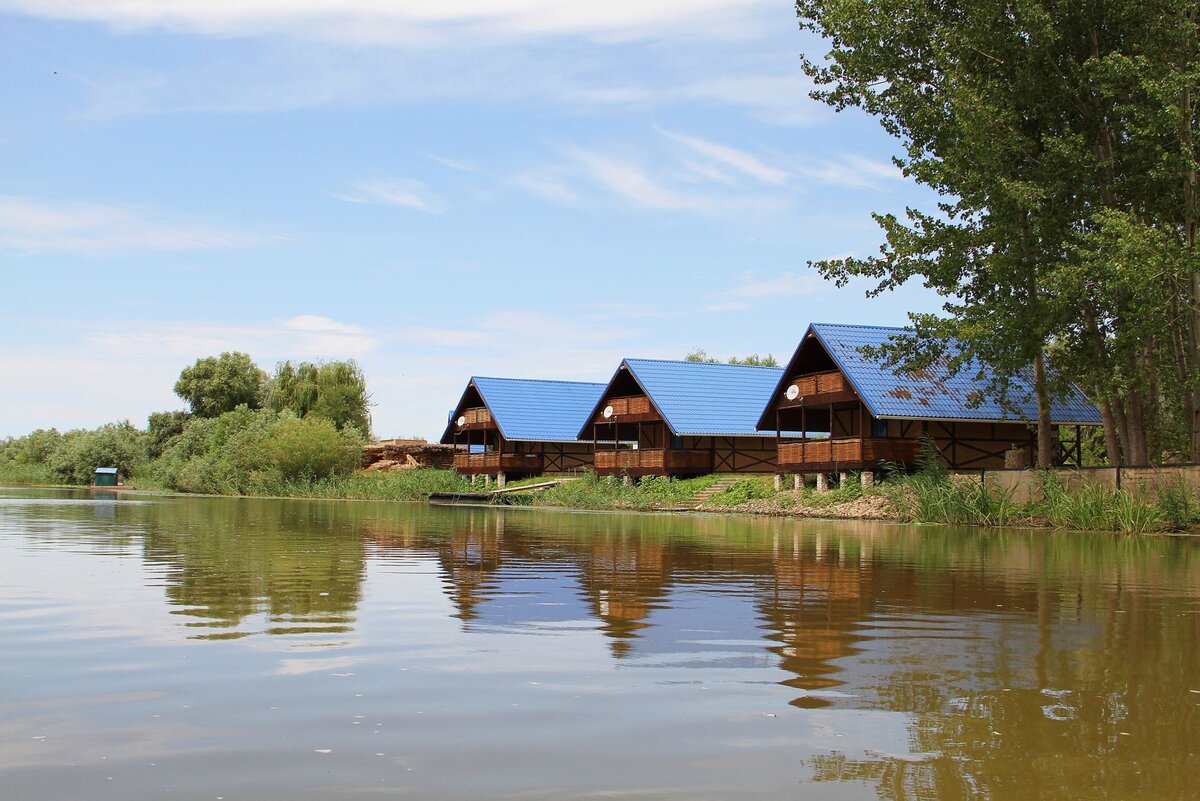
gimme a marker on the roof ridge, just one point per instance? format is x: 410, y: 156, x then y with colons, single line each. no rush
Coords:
x: 707, y: 364
x: 538, y: 380
x: 861, y: 325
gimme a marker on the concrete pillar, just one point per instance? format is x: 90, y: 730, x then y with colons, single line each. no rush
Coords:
x: 798, y: 481
x: 778, y: 481
x: 868, y: 478
x: 843, y: 477
x: 627, y: 481
x: 501, y: 479
x: 822, y: 482
x: 487, y: 480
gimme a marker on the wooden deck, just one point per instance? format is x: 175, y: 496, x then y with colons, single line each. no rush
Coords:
x: 484, y: 464
x: 653, y: 462
x: 851, y: 453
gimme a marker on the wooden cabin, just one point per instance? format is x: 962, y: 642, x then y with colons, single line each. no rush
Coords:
x: 678, y: 418
x: 860, y: 414
x: 512, y: 427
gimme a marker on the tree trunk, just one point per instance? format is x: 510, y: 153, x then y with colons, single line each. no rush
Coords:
x: 1045, y: 438
x: 1137, y: 429
x: 1112, y: 442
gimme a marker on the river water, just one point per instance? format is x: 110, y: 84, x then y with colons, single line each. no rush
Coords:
x: 209, y: 648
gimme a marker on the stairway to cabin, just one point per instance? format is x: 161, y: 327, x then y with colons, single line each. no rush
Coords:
x: 702, y: 497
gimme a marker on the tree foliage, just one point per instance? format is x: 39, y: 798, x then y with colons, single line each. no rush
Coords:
x: 219, y: 384
x: 1060, y: 139
x: 336, y: 391
x: 118, y: 445
x: 753, y: 360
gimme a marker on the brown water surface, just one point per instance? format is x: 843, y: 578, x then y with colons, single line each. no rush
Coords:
x: 204, y: 648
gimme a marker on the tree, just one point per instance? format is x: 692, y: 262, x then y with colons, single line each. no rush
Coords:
x: 117, y: 445
x: 219, y: 384
x: 1058, y: 136
x: 753, y: 360
x: 334, y: 390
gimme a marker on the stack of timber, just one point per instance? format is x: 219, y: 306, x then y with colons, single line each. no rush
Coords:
x: 406, y: 454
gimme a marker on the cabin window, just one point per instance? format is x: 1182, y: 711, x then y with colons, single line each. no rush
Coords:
x: 676, y: 442
x: 878, y: 428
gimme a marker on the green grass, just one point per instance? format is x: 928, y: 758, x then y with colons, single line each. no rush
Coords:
x: 394, y: 485
x: 609, y: 492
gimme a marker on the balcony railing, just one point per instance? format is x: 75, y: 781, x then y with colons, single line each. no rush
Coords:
x: 627, y: 407
x: 850, y: 453
x: 653, y: 461
x: 477, y: 417
x: 483, y: 463
x: 816, y: 385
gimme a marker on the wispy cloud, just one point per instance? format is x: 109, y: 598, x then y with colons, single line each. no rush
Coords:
x: 743, y: 161
x: 547, y: 183
x: 402, y: 192
x: 408, y: 21
x: 751, y: 290
x: 851, y: 172
x: 31, y: 226
x: 634, y: 184
x: 454, y: 164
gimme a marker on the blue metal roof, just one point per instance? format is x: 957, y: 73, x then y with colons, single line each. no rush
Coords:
x: 932, y: 394
x: 702, y: 399
x: 528, y: 409
x: 108, y: 470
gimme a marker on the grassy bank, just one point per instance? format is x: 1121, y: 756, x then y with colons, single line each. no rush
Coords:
x: 595, y: 492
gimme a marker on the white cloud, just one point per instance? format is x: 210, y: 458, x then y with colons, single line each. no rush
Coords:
x: 744, y: 162
x: 30, y: 225
x: 401, y: 192
x: 852, y: 172
x: 632, y: 183
x: 547, y: 184
x: 752, y: 290
x: 454, y: 164
x: 406, y: 21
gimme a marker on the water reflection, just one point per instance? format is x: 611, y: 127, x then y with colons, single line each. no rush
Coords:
x: 917, y: 663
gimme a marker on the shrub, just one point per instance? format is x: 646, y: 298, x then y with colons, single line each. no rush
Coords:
x: 312, y: 448
x: 117, y: 445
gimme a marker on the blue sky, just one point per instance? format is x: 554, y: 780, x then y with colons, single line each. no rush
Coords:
x: 498, y: 187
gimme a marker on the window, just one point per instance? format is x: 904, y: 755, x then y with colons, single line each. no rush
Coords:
x: 878, y: 428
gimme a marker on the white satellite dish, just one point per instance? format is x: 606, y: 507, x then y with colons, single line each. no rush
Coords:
x: 462, y: 421
x: 793, y: 392
x: 608, y: 412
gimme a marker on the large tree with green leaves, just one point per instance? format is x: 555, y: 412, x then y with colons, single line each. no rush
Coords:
x: 219, y: 384
x: 335, y: 390
x: 1058, y: 135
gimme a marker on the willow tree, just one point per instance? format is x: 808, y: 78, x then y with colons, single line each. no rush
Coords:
x: 1058, y: 136
x: 335, y: 390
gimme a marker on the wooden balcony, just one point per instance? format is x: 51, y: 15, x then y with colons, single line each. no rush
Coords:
x: 846, y: 454
x: 492, y: 463
x: 631, y: 409
x: 474, y: 419
x: 653, y: 462
x: 825, y: 387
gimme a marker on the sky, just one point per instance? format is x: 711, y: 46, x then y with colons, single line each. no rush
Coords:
x: 524, y: 188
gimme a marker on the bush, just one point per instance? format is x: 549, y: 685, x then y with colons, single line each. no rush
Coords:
x: 312, y: 448
x: 117, y: 445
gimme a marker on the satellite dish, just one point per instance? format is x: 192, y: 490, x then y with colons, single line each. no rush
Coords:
x: 793, y: 392
x: 462, y: 421
x: 608, y: 412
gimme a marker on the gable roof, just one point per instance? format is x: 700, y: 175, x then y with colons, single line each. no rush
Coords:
x: 932, y: 394
x: 698, y: 399
x: 533, y: 410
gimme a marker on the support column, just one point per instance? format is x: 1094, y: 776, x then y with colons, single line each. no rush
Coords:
x: 627, y: 481
x: 822, y: 482
x: 501, y: 479
x: 868, y: 478
x: 487, y: 480
x: 843, y: 477
x: 798, y: 481
x: 778, y: 482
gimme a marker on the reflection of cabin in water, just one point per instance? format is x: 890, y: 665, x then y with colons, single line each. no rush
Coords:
x: 666, y: 418
x: 519, y: 427
x: 868, y: 414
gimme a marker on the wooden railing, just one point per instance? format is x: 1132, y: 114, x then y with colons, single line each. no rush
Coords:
x: 653, y: 461
x: 849, y: 453
x: 468, y: 463
x: 633, y: 404
x: 815, y: 385
x: 477, y: 417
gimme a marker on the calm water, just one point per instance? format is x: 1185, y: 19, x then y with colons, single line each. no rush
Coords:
x: 260, y: 649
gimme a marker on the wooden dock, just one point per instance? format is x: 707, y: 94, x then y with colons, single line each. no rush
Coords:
x: 491, y: 496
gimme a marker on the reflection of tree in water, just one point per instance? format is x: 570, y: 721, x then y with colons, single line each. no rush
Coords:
x: 301, y: 563
x: 1051, y: 667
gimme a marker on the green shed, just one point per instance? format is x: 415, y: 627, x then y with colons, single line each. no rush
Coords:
x: 106, y: 477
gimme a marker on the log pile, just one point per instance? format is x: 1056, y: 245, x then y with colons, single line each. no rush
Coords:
x: 406, y: 454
